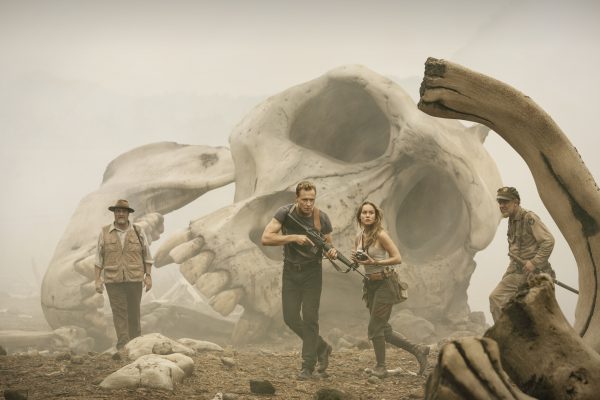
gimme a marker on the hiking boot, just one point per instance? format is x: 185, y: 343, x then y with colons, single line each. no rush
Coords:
x: 305, y: 375
x: 323, y: 358
x: 421, y: 355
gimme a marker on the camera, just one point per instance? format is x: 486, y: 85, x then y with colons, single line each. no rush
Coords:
x: 361, y: 255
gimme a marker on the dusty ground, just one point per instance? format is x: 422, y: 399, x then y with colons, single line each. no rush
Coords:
x: 57, y: 376
x: 67, y: 376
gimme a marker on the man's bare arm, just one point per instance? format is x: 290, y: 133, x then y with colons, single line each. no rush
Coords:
x: 272, y: 236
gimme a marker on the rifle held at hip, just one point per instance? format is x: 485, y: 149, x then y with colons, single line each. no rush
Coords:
x: 522, y: 262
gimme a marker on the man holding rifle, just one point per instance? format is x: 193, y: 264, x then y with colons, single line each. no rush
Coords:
x: 302, y: 273
x: 530, y: 244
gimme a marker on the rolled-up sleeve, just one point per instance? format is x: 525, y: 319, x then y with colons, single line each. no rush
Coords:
x: 100, y: 252
x: 147, y: 255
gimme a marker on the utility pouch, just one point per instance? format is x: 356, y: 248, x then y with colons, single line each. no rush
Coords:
x: 398, y: 287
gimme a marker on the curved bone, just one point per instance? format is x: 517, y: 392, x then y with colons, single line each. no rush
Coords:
x: 156, y: 179
x: 540, y: 350
x: 565, y: 185
x: 470, y: 368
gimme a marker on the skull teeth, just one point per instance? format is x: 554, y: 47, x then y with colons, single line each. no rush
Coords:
x: 193, y: 268
x: 187, y: 250
x: 163, y: 256
x: 152, y: 224
x: 212, y: 283
x: 224, y: 303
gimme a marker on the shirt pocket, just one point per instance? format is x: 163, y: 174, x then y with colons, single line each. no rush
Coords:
x: 111, y: 273
x: 133, y: 243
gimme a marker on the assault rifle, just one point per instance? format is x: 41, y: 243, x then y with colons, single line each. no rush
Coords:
x: 522, y: 262
x: 317, y: 238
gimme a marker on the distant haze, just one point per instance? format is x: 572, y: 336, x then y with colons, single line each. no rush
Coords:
x: 83, y: 81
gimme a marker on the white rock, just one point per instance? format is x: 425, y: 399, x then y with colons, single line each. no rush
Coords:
x: 200, y: 346
x: 144, y: 344
x: 151, y: 371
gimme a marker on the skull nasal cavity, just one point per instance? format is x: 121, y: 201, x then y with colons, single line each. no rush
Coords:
x: 344, y: 122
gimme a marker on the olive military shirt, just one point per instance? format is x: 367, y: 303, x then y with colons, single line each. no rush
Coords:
x: 529, y: 238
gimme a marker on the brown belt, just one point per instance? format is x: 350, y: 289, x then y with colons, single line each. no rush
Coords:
x: 377, y: 276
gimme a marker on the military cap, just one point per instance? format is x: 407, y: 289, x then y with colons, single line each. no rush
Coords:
x: 124, y: 204
x: 508, y: 193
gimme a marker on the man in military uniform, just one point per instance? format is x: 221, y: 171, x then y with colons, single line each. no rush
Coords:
x: 529, y: 246
x: 302, y: 274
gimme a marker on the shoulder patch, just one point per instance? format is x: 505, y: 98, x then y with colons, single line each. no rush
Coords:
x: 531, y: 221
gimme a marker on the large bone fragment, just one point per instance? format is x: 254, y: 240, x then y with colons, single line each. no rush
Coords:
x: 470, y: 368
x: 540, y: 350
x: 564, y: 183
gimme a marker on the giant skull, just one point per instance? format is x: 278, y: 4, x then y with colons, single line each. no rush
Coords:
x: 358, y: 136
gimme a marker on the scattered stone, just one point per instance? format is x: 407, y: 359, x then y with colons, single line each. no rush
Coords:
x: 363, y: 344
x: 117, y: 356
x: 162, y: 348
x: 417, y: 394
x: 143, y: 345
x: 344, y: 344
x: 331, y: 394
x: 16, y: 394
x: 415, y: 328
x: 151, y: 371
x: 262, y: 387
x: 2, y: 351
x: 77, y: 360
x: 230, y: 396
x: 200, y: 346
x: 374, y: 380
x: 63, y: 356
x: 228, y: 361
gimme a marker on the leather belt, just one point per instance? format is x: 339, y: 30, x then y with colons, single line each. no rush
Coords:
x: 377, y: 276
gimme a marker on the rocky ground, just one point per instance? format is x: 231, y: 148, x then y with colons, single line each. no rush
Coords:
x: 47, y: 375
x: 68, y: 376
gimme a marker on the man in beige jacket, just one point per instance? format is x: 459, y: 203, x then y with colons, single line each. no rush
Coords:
x: 530, y: 244
x: 123, y: 265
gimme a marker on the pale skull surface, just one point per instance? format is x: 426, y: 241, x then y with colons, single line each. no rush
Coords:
x: 358, y: 136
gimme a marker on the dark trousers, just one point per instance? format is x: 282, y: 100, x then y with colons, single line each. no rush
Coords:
x: 301, y: 292
x: 125, y: 299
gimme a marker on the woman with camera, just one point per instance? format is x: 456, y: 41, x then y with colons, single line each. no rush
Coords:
x: 374, y: 249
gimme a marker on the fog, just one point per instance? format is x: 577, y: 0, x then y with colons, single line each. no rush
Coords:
x: 82, y: 82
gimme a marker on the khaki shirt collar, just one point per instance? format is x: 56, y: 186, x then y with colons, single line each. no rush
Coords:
x: 519, y: 215
x: 113, y: 228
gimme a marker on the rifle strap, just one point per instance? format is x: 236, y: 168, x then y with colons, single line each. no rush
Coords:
x: 141, y: 244
x: 317, y: 219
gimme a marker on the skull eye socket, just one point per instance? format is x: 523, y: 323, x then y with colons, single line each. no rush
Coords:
x: 342, y: 122
x: 431, y: 219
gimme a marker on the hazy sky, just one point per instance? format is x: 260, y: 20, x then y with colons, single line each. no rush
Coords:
x: 84, y: 81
